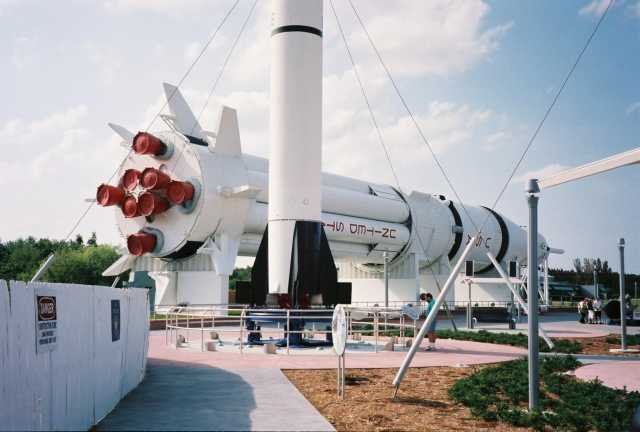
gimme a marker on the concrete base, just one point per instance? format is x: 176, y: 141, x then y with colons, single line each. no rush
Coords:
x: 625, y: 351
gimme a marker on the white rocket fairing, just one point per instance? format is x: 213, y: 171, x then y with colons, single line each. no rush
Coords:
x: 295, y: 146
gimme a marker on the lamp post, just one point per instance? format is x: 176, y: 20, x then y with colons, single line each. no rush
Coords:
x: 532, y: 267
x: 385, y: 255
x: 595, y: 284
x: 623, y: 308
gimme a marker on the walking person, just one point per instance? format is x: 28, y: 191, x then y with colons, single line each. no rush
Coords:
x: 591, y: 316
x: 431, y: 331
x: 597, y: 310
x: 582, y: 311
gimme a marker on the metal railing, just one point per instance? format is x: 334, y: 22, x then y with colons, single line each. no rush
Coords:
x: 232, y: 319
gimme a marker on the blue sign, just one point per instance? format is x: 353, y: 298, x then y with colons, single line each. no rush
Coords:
x: 115, y: 320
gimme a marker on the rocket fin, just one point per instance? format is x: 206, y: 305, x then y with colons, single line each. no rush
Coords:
x: 186, y: 121
x: 124, y: 133
x: 228, y: 136
x: 122, y: 264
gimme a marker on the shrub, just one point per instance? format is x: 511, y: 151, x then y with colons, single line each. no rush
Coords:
x: 518, y: 339
x: 501, y: 392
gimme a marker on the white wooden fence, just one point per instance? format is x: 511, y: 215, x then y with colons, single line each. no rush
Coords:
x: 80, y: 381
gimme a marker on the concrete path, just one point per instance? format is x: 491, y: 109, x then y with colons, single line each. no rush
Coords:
x: 615, y: 374
x: 198, y: 397
x: 449, y: 353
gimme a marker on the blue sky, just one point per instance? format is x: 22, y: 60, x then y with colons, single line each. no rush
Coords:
x: 478, y: 74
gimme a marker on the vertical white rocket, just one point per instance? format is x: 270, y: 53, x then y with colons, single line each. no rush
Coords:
x: 295, y: 148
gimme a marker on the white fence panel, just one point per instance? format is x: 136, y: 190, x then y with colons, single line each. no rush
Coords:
x: 4, y: 352
x: 79, y: 382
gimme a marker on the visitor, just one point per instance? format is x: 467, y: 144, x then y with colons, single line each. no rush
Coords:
x: 591, y: 317
x: 597, y: 310
x: 582, y: 311
x: 431, y: 331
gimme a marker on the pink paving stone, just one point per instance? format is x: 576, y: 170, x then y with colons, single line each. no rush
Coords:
x: 449, y: 353
x: 614, y: 374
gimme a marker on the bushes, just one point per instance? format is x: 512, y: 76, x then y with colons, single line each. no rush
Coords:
x: 501, y: 393
x: 519, y: 340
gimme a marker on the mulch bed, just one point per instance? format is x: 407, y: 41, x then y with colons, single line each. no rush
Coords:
x: 599, y: 345
x: 422, y: 403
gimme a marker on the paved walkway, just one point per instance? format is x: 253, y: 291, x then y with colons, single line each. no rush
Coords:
x: 197, y: 397
x: 449, y: 353
x: 616, y: 374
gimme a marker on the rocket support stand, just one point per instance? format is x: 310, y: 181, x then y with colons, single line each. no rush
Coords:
x: 519, y: 299
x: 432, y: 316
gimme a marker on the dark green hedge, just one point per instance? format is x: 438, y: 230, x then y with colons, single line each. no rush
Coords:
x: 501, y: 393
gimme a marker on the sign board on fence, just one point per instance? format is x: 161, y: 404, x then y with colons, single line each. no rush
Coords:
x: 115, y: 320
x: 46, y: 321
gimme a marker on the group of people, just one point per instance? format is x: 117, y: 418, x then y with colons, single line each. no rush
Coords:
x: 590, y: 311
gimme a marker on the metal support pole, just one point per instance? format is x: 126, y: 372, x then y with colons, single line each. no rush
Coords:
x: 546, y: 282
x: 469, y: 310
x: 623, y: 306
x: 516, y: 296
x: 532, y: 266
x: 445, y: 304
x: 595, y: 284
x: 385, y: 255
x: 43, y: 268
x: 432, y: 315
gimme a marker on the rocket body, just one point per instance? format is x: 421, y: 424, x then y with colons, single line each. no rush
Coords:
x: 295, y: 146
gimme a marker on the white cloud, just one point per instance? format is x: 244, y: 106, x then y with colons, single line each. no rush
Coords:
x: 157, y: 6
x: 595, y: 8
x: 437, y: 37
x: 541, y: 173
x: 634, y: 107
x: 495, y: 140
x: 24, y: 52
x: 191, y: 51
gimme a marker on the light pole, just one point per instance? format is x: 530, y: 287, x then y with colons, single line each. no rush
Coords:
x: 595, y: 284
x: 385, y: 255
x: 623, y: 308
x: 532, y: 267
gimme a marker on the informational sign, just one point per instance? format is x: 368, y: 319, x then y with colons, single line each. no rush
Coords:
x: 115, y: 320
x: 339, y: 329
x: 46, y: 322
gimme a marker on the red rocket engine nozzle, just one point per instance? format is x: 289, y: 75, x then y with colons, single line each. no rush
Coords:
x: 108, y: 195
x: 130, y: 179
x: 154, y: 179
x: 141, y: 243
x: 151, y: 204
x: 130, y: 207
x: 146, y: 144
x: 179, y: 192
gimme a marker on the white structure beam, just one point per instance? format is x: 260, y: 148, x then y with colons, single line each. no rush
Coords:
x: 616, y: 161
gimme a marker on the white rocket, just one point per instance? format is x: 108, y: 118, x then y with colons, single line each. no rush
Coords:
x: 186, y: 193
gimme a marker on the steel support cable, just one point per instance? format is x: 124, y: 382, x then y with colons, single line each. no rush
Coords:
x: 364, y: 94
x: 219, y: 76
x: 180, y: 82
x: 410, y: 113
x: 546, y: 114
x: 370, y: 109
